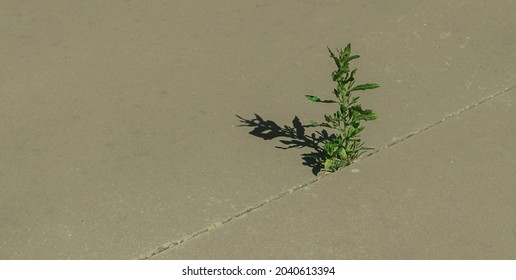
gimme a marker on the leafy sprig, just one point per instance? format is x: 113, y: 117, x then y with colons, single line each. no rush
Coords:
x: 343, y: 148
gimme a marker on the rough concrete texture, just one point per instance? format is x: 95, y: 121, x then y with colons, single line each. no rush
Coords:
x: 445, y: 193
x: 119, y: 135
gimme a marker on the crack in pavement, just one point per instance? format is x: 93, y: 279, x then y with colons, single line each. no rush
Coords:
x: 172, y: 245
x: 452, y: 115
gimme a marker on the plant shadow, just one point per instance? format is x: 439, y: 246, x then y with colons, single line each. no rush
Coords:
x: 294, y: 137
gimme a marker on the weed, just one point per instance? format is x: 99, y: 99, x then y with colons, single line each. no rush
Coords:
x: 343, y: 148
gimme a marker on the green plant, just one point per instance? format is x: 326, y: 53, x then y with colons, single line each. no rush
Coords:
x: 342, y: 149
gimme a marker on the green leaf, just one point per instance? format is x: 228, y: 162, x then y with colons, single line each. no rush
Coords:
x: 328, y: 164
x: 354, y: 100
x: 313, y: 98
x: 342, y: 153
x: 313, y: 123
x: 335, y: 58
x: 336, y: 92
x: 347, y: 50
x: 335, y: 75
x: 330, y: 148
x: 345, y: 68
x: 317, y: 99
x: 353, y: 57
x: 364, y: 87
x: 351, y: 132
x: 369, y: 117
x: 351, y: 77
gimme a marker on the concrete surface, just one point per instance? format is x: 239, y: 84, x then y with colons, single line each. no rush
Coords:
x: 445, y: 193
x: 120, y: 135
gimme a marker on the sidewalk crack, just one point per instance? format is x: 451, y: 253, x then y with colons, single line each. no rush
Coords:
x: 321, y: 175
x: 172, y: 245
x: 450, y: 116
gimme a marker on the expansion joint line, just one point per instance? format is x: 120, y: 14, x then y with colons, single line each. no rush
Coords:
x: 171, y: 245
x: 321, y: 175
x: 468, y: 107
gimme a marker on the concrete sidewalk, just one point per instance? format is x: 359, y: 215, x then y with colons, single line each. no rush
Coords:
x: 120, y: 135
x: 446, y: 193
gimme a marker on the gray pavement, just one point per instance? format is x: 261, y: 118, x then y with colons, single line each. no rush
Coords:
x: 446, y: 193
x: 120, y: 136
